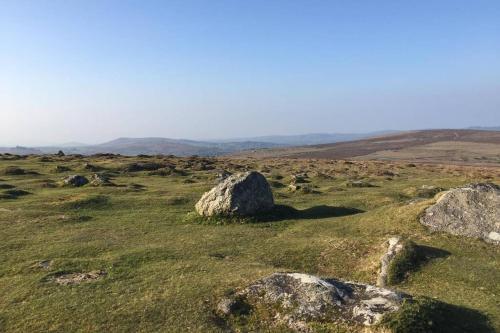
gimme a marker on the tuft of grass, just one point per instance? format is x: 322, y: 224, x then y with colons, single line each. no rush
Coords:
x: 14, y: 171
x: 177, y: 200
x: 194, y: 217
x: 13, y: 194
x: 62, y: 168
x: 89, y: 202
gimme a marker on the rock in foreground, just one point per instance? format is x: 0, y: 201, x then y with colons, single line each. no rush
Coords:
x: 472, y: 211
x: 243, y: 194
x: 294, y: 299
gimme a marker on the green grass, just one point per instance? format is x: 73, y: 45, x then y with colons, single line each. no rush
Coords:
x: 166, y: 269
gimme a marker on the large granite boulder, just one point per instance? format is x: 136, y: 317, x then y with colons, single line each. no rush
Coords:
x: 472, y: 211
x: 294, y: 299
x: 243, y: 194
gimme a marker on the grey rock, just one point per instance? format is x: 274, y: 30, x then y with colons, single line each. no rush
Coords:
x: 100, y: 180
x: 299, y: 298
x: 75, y: 180
x: 394, y: 247
x: 294, y: 187
x: 243, y: 194
x: 472, y: 211
x: 299, y: 178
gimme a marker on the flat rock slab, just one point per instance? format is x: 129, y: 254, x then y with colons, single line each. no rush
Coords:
x: 297, y: 298
x: 77, y: 278
x: 472, y: 211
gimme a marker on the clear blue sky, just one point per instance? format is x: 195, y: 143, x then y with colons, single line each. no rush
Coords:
x: 94, y: 70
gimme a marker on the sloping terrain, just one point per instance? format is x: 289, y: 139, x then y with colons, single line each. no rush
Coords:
x: 128, y: 257
x: 460, y: 146
x: 181, y: 147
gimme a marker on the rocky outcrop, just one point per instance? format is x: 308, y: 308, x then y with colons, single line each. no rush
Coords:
x: 295, y: 299
x: 75, y: 180
x: 472, y: 211
x: 244, y: 194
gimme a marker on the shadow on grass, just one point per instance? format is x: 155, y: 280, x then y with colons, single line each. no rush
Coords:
x: 278, y: 213
x: 284, y: 212
x: 13, y: 194
x: 410, y: 259
x: 429, y: 252
x: 428, y: 315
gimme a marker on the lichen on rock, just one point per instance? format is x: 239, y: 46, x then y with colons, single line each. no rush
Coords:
x: 244, y: 194
x: 472, y: 211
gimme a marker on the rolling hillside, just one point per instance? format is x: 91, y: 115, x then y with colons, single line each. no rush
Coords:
x: 181, y: 147
x: 461, y: 146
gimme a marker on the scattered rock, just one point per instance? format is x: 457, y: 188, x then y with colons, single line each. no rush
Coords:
x: 299, y: 178
x: 472, y: 211
x: 75, y: 180
x: 60, y: 153
x: 241, y: 194
x: 92, y: 167
x: 77, y: 278
x: 294, y: 299
x: 100, y: 180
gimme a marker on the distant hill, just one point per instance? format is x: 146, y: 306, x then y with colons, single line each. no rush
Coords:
x: 310, y: 139
x: 182, y: 147
x: 20, y: 150
x: 493, y: 128
x: 447, y: 145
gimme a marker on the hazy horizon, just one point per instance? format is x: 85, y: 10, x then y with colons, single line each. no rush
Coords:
x: 93, y: 71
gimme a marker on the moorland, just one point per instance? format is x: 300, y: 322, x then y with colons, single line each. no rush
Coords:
x: 151, y: 267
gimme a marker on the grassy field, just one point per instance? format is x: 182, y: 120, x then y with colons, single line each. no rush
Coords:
x: 165, y: 270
